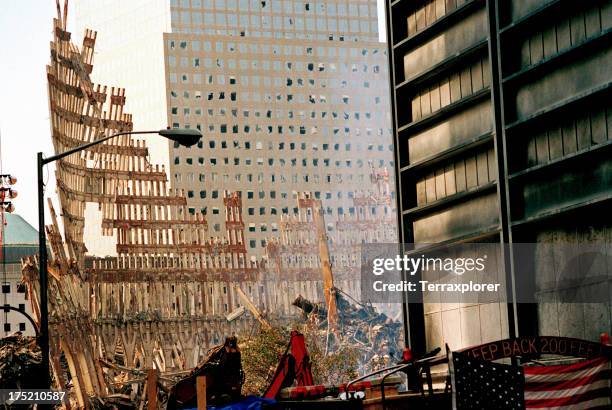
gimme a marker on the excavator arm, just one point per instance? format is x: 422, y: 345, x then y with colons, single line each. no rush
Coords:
x: 294, y: 365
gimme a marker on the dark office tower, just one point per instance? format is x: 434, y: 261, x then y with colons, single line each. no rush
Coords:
x: 520, y: 90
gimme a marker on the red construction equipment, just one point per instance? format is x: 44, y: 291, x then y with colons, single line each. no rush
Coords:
x: 294, y: 366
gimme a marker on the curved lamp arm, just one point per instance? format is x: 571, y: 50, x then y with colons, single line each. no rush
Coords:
x: 185, y: 137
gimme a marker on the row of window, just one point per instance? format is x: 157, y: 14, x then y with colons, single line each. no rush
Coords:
x: 316, y: 178
x: 252, y: 228
x: 276, y: 113
x: 326, y: 162
x: 299, y: 35
x: 20, y: 287
x: 262, y: 228
x: 273, y: 49
x: 22, y: 327
x: 21, y: 307
x: 281, y: 129
x: 214, y: 194
x: 364, y: 24
x: 261, y: 211
x: 288, y: 7
x: 266, y: 66
x: 246, y: 96
x: 253, y: 243
x: 259, y: 145
x: 291, y: 130
x: 300, y: 98
x: 331, y: 83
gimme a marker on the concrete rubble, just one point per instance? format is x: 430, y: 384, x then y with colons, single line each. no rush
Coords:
x: 377, y: 337
x: 20, y: 359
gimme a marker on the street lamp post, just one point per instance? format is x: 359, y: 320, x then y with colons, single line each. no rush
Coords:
x: 184, y: 137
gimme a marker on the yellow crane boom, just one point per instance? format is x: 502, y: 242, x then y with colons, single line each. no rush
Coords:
x: 328, y: 277
x: 249, y: 305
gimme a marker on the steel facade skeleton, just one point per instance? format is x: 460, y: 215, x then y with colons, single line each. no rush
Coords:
x: 157, y: 239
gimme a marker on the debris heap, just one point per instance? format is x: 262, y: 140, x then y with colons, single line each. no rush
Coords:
x: 376, y: 337
x: 20, y: 360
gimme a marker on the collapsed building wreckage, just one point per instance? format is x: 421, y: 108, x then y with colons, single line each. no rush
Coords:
x: 375, y: 336
x: 163, y: 299
x: 20, y: 359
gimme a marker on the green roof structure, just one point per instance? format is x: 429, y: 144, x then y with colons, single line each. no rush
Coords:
x: 19, y: 238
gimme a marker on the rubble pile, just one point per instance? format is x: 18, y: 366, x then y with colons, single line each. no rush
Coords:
x: 377, y: 337
x: 20, y: 360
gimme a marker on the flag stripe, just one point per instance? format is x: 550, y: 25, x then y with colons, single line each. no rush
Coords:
x: 566, y: 368
x: 566, y: 384
x: 534, y: 378
x: 584, y: 385
x: 558, y: 394
x: 595, y: 404
x: 602, y: 393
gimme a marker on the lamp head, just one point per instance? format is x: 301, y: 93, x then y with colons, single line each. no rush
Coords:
x: 183, y: 136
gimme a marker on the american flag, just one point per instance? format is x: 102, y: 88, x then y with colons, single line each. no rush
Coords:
x: 584, y: 385
x: 479, y: 384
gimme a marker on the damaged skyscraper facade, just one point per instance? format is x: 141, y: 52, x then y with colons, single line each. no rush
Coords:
x: 290, y: 96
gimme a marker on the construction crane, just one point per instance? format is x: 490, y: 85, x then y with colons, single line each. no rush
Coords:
x: 329, y: 291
